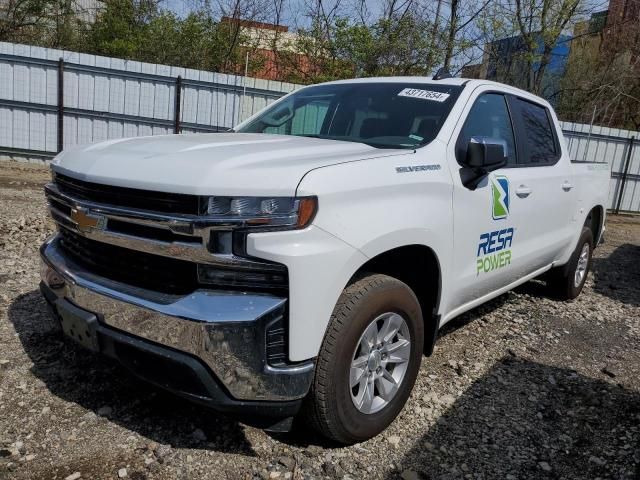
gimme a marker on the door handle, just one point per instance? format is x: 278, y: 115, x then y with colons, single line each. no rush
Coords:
x: 523, y: 191
x: 566, y: 186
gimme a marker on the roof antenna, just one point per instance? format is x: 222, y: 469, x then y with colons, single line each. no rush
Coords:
x: 442, y: 73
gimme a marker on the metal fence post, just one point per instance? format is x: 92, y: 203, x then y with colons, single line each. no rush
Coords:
x: 625, y: 173
x: 60, y: 104
x: 176, y: 110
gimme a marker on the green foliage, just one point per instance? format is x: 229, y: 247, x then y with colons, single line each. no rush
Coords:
x: 139, y: 30
x: 120, y: 29
x: 130, y: 29
x: 391, y: 46
x: 39, y: 22
x: 400, y: 45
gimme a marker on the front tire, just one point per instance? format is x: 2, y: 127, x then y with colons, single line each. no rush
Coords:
x: 368, y: 361
x: 567, y: 281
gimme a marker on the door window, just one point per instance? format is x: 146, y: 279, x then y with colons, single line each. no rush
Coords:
x: 489, y: 117
x: 538, y: 138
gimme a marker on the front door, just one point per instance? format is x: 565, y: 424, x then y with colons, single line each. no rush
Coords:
x: 488, y: 220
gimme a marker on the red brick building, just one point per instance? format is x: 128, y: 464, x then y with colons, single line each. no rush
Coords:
x: 273, y: 48
x: 623, y: 24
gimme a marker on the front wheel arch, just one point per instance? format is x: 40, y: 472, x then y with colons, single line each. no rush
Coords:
x: 419, y: 268
x: 330, y: 406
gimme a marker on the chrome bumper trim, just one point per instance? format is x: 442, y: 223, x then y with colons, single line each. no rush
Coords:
x: 225, y: 330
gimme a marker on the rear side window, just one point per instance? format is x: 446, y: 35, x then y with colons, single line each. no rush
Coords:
x: 537, y: 134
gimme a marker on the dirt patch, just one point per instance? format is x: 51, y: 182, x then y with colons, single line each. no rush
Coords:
x: 20, y: 175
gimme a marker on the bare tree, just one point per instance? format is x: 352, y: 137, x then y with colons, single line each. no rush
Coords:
x: 526, y: 32
x: 236, y: 16
x: 18, y: 18
x: 602, y: 79
x: 453, y: 33
x: 430, y: 64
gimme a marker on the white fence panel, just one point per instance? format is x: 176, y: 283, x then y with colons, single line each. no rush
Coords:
x: 620, y: 149
x: 107, y: 98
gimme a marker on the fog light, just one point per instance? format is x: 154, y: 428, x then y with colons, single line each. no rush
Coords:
x: 49, y: 276
x: 242, y: 278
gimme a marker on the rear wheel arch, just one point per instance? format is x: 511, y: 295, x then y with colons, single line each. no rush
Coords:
x: 594, y: 221
x: 565, y: 282
x: 418, y: 267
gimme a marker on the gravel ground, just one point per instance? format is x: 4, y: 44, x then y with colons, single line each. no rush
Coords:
x: 523, y: 387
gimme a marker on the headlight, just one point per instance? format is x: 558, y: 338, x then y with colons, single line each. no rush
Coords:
x: 265, y: 211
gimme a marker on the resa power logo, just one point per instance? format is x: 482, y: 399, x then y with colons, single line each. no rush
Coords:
x: 500, y: 197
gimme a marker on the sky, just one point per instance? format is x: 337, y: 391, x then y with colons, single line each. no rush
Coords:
x: 292, y: 16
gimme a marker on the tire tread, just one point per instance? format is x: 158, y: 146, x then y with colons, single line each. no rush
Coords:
x: 318, y: 411
x: 560, y: 279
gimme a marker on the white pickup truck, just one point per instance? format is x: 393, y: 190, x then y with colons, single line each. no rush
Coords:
x: 302, y: 264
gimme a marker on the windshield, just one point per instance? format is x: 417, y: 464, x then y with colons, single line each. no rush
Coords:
x: 383, y: 115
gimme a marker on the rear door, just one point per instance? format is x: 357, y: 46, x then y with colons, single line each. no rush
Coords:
x: 541, y: 183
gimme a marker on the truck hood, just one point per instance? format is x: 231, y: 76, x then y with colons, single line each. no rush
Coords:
x: 211, y: 164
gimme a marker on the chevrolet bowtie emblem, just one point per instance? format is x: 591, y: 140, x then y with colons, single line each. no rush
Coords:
x: 86, y: 221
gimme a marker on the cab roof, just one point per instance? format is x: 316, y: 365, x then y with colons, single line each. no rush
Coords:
x: 453, y: 81
x: 426, y: 80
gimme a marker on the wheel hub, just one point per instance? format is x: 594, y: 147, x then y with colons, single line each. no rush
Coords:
x: 582, y: 265
x: 379, y: 362
x: 374, y: 361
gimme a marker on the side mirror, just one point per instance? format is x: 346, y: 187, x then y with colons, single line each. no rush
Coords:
x: 486, y: 153
x: 483, y: 155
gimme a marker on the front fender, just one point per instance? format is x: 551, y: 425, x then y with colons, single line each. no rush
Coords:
x: 320, y: 266
x: 403, y: 238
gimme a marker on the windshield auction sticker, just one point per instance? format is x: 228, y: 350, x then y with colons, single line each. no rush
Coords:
x: 424, y: 94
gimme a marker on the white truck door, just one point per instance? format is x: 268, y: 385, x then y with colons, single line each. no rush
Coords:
x: 487, y: 220
x: 542, y: 183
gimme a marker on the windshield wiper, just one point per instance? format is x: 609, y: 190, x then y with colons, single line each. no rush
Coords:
x: 387, y: 145
x: 354, y: 140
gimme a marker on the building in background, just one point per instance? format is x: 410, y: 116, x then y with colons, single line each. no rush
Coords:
x: 603, y: 32
x: 272, y: 47
x: 87, y: 10
x: 586, y: 43
x: 622, y: 24
x: 505, y: 61
x: 607, y: 30
x: 475, y: 71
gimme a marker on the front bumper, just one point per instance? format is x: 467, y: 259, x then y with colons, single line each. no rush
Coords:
x: 216, y: 337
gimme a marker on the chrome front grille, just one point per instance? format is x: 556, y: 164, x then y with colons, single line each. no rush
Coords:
x: 129, y: 197
x: 152, y: 240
